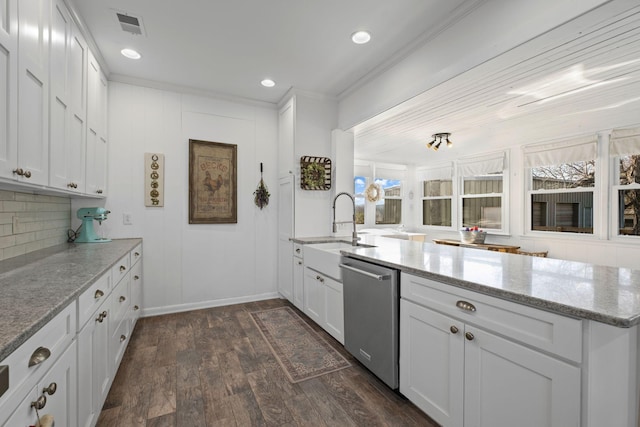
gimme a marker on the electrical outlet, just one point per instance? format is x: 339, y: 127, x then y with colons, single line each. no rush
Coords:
x: 126, y: 218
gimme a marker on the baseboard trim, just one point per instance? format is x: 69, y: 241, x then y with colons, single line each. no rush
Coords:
x: 178, y: 308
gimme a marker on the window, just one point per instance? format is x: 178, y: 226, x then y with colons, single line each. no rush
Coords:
x: 378, y: 201
x: 482, y: 192
x: 389, y: 207
x: 359, y: 184
x: 625, y: 146
x: 482, y: 201
x: 562, y: 185
x: 437, y: 196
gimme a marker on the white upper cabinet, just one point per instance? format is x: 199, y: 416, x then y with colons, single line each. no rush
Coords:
x: 68, y: 71
x: 33, y: 91
x: 96, y: 163
x: 8, y: 86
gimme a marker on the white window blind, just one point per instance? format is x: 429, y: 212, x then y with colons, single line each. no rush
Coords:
x: 624, y: 142
x: 481, y: 165
x: 391, y: 172
x: 443, y: 172
x: 362, y: 170
x: 566, y: 151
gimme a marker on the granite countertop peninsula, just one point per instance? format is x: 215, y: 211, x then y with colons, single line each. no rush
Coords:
x: 37, y: 286
x: 605, y: 294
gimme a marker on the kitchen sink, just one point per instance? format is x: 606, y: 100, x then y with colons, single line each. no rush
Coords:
x: 325, y: 257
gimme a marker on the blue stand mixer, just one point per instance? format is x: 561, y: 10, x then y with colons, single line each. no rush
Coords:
x: 87, y: 233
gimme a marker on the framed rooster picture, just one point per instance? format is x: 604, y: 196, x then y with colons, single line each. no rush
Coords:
x: 212, y: 182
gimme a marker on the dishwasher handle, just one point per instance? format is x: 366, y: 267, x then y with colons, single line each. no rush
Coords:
x: 365, y: 273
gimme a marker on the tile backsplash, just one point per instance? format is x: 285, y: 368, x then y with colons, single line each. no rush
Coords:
x: 29, y: 222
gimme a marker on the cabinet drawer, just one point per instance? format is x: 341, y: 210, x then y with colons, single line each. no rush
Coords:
x: 298, y: 250
x: 55, y: 337
x: 119, y: 303
x: 136, y: 254
x: 120, y: 269
x: 92, y: 299
x: 541, y: 329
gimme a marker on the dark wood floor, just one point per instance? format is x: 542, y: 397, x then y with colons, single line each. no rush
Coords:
x: 213, y: 368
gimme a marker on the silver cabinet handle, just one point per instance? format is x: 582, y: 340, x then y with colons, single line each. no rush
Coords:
x: 136, y: 254
x: 123, y: 268
x: 299, y: 262
x: 122, y: 299
x: 27, y: 174
x: 39, y: 355
x: 18, y: 171
x: 122, y: 338
x: 467, y: 306
x: 136, y: 277
x: 135, y: 307
x: 453, y: 330
x: 469, y: 336
x: 365, y: 273
x: 99, y: 294
x: 298, y: 250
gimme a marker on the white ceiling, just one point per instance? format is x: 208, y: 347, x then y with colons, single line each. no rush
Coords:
x: 580, y: 78
x: 228, y: 47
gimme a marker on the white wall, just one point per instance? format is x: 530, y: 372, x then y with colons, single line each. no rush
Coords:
x: 315, y: 118
x: 190, y: 266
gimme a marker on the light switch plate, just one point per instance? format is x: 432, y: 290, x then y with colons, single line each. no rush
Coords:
x: 4, y: 379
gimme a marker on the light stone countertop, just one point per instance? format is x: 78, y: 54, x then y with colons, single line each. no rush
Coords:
x: 37, y: 286
x: 605, y: 294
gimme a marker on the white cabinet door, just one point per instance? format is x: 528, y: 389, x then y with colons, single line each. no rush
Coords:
x: 314, y: 299
x: 432, y: 363
x: 8, y: 87
x: 97, y: 153
x: 68, y: 106
x: 334, y: 309
x: 298, y: 283
x: 33, y: 91
x: 285, y: 231
x: 507, y: 384
x: 59, y: 399
x: 94, y: 376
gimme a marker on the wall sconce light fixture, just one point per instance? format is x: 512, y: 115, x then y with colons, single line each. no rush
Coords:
x: 439, y: 137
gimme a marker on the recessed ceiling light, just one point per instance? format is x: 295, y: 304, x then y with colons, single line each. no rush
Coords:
x: 130, y: 53
x: 268, y: 83
x: 361, y: 37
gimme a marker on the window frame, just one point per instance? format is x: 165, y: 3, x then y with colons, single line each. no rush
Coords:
x: 504, y: 226
x: 452, y: 198
x: 615, y: 187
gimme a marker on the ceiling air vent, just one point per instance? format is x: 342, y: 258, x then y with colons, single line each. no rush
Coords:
x: 130, y: 24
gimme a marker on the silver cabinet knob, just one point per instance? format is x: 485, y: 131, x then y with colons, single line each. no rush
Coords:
x: 123, y: 268
x: 122, y: 338
x: 122, y: 298
x: 51, y: 389
x: 135, y: 307
x: 99, y: 294
x: 40, y: 403
x: 27, y: 174
x: 469, y: 336
x: 18, y: 171
x: 453, y: 330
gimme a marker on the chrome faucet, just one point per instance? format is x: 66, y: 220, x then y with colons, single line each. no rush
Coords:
x: 354, y: 236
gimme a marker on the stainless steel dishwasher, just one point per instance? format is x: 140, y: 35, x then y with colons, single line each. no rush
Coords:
x: 371, y: 317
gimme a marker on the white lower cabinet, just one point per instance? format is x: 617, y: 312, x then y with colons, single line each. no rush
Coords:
x: 94, y: 376
x: 323, y: 302
x: 54, y: 395
x: 462, y: 374
x: 298, y: 276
